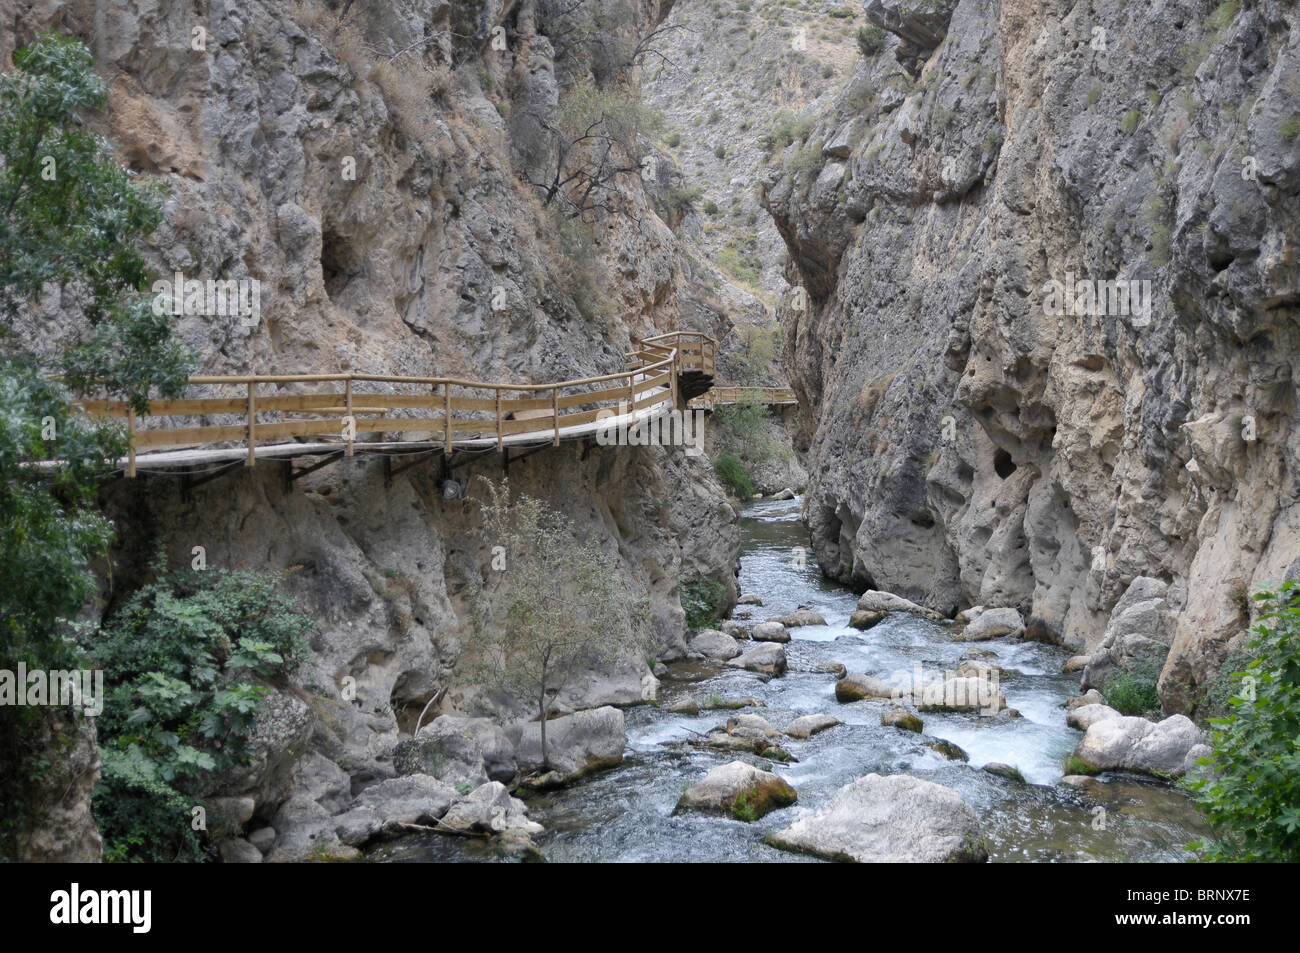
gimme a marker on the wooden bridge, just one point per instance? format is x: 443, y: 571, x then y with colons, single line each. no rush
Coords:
x: 272, y: 414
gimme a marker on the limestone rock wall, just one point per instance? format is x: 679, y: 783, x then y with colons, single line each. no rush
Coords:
x: 969, y: 446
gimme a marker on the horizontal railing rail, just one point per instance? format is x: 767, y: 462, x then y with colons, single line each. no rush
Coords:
x: 444, y: 409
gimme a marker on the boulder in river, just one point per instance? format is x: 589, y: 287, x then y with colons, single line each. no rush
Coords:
x: 994, y: 623
x: 960, y: 693
x: 900, y: 717
x: 967, y: 616
x: 894, y: 819
x: 456, y: 749
x: 805, y: 726
x: 750, y: 733
x: 800, y: 617
x: 388, y: 807
x: 830, y: 668
x: 749, y: 599
x: 1085, y: 716
x: 854, y: 688
x: 1005, y: 771
x: 1090, y: 697
x: 770, y: 631
x: 946, y: 748
x: 489, y: 809
x: 876, y: 601
x: 739, y: 790
x: 1129, y: 743
x: 734, y: 629
x: 865, y: 618
x: 1074, y: 663
x: 767, y: 658
x: 715, y: 645
x: 575, y: 744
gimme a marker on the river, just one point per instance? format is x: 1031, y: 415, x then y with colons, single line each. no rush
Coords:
x: 626, y: 814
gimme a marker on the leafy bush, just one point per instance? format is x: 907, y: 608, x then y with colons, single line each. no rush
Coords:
x: 735, y: 475
x: 1131, y: 693
x: 871, y: 40
x: 701, y: 601
x: 1250, y: 787
x: 186, y: 663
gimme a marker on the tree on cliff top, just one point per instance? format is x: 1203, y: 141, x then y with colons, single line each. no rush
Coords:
x: 71, y: 222
x: 555, y: 609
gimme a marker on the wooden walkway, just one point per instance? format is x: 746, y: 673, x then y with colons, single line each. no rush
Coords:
x: 771, y: 396
x: 270, y: 415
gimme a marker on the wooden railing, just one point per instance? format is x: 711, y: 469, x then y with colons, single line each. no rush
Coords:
x: 735, y: 395
x: 345, y: 405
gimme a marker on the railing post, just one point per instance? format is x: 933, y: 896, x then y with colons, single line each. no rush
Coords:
x: 555, y: 412
x: 130, y: 436
x: 672, y: 377
x: 446, y: 415
x: 500, y: 441
x: 252, y: 422
x: 631, y: 393
x: 347, y: 410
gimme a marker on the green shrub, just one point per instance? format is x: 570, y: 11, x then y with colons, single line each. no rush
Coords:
x: 674, y: 140
x: 701, y: 601
x: 1130, y: 693
x: 735, y: 475
x: 710, y: 207
x: 186, y: 661
x: 1250, y: 790
x: 1130, y: 121
x: 871, y: 40
x: 1291, y: 129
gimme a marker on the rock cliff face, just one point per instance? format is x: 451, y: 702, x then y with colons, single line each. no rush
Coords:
x: 976, y: 439
x: 366, y: 162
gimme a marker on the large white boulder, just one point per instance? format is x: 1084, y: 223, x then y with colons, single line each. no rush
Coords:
x: 1129, y: 743
x: 894, y: 819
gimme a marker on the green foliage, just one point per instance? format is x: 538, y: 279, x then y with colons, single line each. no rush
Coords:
x: 1132, y: 693
x: 1076, y: 765
x: 711, y: 208
x: 1094, y: 94
x: 861, y: 96
x: 1130, y: 121
x: 556, y: 610
x: 71, y: 219
x: 1249, y: 788
x: 733, y: 472
x: 871, y: 40
x: 742, y: 810
x: 1291, y: 128
x: 702, y: 602
x: 673, y: 140
x: 186, y: 663
x: 1224, y: 14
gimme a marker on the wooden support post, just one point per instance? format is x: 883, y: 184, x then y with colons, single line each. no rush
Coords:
x: 672, y: 383
x: 130, y: 436
x: 252, y: 423
x: 555, y: 412
x: 500, y: 440
x: 631, y: 393
x: 446, y: 413
x: 347, y: 410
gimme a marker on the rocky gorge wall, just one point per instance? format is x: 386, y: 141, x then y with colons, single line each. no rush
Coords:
x: 969, y: 444
x: 365, y: 162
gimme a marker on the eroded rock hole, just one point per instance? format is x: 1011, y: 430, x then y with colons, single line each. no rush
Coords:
x: 1003, y: 465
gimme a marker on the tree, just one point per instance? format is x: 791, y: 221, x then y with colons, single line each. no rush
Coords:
x: 1249, y: 788
x: 589, y: 142
x: 71, y: 223
x: 554, y: 609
